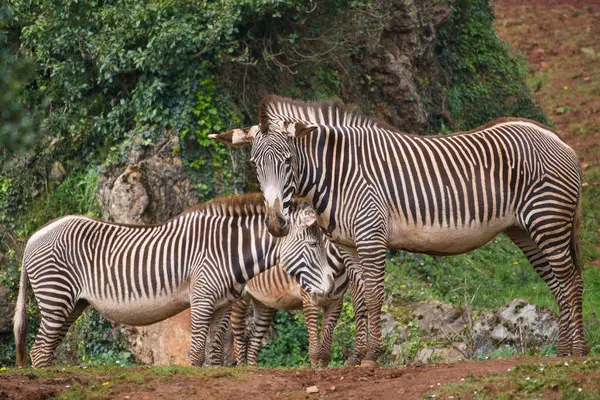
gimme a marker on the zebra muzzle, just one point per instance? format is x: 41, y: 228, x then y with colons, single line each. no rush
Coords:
x: 277, y: 225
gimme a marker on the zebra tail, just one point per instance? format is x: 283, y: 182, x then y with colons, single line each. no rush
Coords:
x: 20, y: 321
x: 575, y: 252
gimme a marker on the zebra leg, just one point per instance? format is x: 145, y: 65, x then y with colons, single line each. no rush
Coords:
x: 202, y: 310
x: 239, y: 312
x: 53, y: 328
x: 552, y: 235
x: 360, y: 317
x: 218, y: 329
x: 372, y: 254
x: 539, y: 262
x: 263, y: 318
x: 311, y: 317
x: 331, y: 314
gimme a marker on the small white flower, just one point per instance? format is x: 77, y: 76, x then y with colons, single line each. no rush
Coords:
x: 528, y: 378
x: 450, y: 397
x: 508, y: 370
x: 541, y: 369
x: 67, y: 386
x: 566, y: 364
x: 433, y: 395
x: 438, y: 384
x: 579, y: 389
x: 462, y: 379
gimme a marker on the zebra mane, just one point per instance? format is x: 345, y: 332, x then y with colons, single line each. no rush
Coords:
x: 333, y: 113
x: 239, y: 206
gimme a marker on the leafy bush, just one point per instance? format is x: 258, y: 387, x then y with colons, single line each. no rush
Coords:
x: 290, y: 346
x: 485, y: 81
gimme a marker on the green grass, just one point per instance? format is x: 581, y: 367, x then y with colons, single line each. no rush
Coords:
x: 566, y: 380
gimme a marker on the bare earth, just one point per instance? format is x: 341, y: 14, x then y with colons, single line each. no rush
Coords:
x: 410, y: 382
x: 552, y: 35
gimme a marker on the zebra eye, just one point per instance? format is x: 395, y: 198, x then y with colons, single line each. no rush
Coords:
x: 253, y: 163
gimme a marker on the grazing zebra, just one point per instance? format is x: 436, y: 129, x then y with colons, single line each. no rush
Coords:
x: 275, y: 290
x: 374, y: 187
x: 139, y: 275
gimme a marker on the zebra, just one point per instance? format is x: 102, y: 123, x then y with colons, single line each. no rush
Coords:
x: 275, y: 290
x: 142, y: 274
x: 374, y: 187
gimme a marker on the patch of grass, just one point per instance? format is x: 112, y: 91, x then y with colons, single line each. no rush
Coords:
x: 566, y: 379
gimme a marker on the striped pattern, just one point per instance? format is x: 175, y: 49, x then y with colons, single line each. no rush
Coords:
x: 139, y: 275
x: 374, y: 188
x: 276, y: 290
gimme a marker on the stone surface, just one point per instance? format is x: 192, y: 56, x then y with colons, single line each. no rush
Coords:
x: 447, y: 333
x: 151, y: 187
x: 519, y: 324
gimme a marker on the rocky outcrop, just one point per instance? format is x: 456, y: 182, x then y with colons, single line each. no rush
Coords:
x: 448, y: 333
x: 519, y: 324
x: 150, y: 187
x: 397, y: 75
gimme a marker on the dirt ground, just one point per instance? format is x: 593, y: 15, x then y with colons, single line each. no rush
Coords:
x: 410, y: 382
x: 560, y: 41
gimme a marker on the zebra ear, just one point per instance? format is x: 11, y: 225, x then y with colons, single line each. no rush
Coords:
x: 236, y: 137
x: 302, y: 129
x: 308, y: 218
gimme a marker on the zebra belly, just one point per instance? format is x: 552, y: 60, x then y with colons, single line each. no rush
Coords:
x: 438, y: 240
x: 289, y: 299
x: 139, y: 312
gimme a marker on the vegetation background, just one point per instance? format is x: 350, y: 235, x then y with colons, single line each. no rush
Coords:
x: 86, y: 83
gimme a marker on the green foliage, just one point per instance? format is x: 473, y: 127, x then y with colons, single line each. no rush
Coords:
x: 490, y: 277
x: 98, y: 342
x: 344, y: 334
x: 17, y: 124
x: 290, y: 346
x: 485, y: 80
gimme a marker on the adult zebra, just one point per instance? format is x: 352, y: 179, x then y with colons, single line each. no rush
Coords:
x: 374, y: 187
x: 142, y: 274
x: 275, y: 290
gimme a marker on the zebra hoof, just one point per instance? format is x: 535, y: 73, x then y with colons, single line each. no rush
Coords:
x: 369, y: 364
x: 352, y: 363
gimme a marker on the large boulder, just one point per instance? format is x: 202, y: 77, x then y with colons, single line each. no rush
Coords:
x: 151, y: 187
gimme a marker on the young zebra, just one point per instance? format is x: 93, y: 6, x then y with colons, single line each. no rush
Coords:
x: 374, y: 187
x: 139, y: 275
x: 275, y: 290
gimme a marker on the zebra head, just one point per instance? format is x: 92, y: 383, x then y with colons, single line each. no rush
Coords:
x: 274, y: 158
x: 303, y: 252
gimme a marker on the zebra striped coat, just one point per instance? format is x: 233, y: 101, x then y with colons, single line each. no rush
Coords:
x: 374, y: 187
x: 138, y: 275
x: 275, y: 290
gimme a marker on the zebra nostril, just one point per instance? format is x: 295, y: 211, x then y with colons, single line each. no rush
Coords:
x: 281, y: 221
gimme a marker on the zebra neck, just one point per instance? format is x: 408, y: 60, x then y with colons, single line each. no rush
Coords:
x: 255, y: 250
x: 320, y: 156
